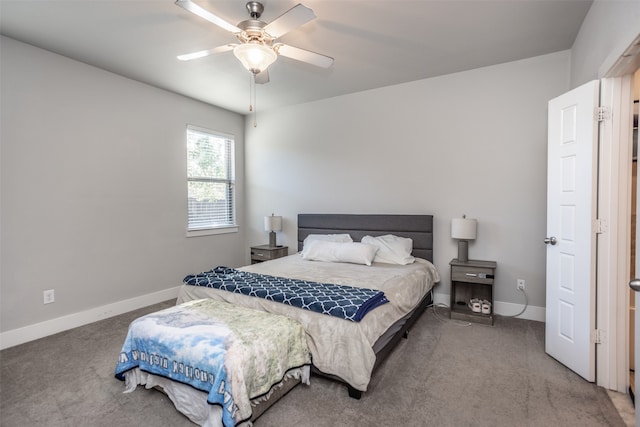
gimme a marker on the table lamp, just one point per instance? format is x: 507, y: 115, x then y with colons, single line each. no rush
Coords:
x: 272, y: 224
x: 463, y: 229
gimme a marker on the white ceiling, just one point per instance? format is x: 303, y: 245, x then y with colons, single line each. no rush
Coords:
x: 375, y: 43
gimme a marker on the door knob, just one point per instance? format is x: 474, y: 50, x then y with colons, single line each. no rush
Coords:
x: 550, y: 240
x: 635, y: 284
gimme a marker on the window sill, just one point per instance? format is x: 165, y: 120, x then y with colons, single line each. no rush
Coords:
x: 212, y: 231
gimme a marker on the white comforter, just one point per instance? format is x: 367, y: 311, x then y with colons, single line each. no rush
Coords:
x: 339, y: 347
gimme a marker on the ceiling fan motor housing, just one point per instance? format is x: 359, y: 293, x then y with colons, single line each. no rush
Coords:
x: 255, y: 9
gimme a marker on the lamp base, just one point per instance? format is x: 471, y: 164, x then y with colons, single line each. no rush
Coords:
x: 463, y: 251
x: 272, y: 239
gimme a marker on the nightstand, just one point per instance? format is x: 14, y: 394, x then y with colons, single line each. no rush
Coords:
x: 265, y: 253
x: 471, y: 279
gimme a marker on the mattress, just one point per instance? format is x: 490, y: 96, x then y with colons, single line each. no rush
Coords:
x: 339, y: 347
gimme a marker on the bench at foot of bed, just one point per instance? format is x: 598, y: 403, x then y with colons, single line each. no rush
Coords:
x: 227, y: 358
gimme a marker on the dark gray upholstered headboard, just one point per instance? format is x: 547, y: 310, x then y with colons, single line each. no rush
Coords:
x: 417, y: 227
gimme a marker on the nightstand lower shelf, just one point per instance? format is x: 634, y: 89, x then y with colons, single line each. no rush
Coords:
x: 464, y: 313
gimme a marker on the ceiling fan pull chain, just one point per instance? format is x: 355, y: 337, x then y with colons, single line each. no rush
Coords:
x: 255, y: 109
x: 251, y: 85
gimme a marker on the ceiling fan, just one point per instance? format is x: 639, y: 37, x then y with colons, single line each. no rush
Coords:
x: 258, y: 47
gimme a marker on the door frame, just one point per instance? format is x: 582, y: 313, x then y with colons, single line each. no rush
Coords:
x: 613, y: 243
x: 613, y: 253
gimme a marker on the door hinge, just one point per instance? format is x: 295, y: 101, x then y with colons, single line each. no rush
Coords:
x: 600, y: 226
x: 598, y: 336
x: 602, y: 114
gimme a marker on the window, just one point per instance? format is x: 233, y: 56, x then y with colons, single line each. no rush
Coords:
x: 210, y: 182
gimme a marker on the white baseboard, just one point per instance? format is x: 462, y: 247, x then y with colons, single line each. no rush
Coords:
x: 40, y: 330
x: 504, y: 308
x: 531, y: 313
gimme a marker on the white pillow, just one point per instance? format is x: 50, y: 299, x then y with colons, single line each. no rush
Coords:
x: 391, y: 249
x: 352, y: 252
x: 345, y: 238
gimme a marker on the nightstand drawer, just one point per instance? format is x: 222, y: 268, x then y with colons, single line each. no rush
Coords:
x: 266, y: 253
x: 260, y: 254
x: 472, y: 274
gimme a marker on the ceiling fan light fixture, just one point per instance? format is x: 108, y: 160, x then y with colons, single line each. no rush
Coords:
x: 255, y: 57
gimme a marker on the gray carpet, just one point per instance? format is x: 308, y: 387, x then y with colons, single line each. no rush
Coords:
x: 444, y: 374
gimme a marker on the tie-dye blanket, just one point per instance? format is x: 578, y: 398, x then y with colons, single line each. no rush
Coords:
x: 347, y: 302
x: 232, y: 353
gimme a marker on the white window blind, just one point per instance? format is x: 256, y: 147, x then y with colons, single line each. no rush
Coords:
x: 210, y: 179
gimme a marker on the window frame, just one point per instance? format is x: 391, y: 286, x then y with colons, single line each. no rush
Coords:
x: 229, y: 180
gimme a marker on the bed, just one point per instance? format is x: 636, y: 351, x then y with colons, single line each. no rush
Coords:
x: 345, y: 350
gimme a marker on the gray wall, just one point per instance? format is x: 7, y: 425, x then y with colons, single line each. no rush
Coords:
x: 469, y: 143
x: 92, y: 169
x: 608, y: 29
x: 93, y: 187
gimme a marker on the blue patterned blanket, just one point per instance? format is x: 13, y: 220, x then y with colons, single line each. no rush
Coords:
x: 231, y: 353
x: 347, y: 302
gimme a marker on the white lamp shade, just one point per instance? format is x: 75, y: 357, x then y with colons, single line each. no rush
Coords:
x: 464, y: 228
x: 273, y: 223
x: 255, y: 57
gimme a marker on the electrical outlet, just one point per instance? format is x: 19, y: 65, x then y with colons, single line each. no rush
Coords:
x: 520, y: 284
x: 49, y: 296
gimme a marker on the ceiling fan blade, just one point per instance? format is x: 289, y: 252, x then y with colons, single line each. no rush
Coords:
x: 293, y: 18
x: 207, y: 52
x: 203, y: 13
x: 304, y: 55
x: 262, y: 78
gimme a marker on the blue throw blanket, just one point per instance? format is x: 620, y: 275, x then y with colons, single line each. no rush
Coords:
x: 347, y: 302
x: 231, y: 353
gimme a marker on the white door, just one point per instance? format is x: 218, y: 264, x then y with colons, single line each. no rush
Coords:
x: 571, y: 212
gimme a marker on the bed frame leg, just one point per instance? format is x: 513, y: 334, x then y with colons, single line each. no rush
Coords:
x: 353, y: 393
